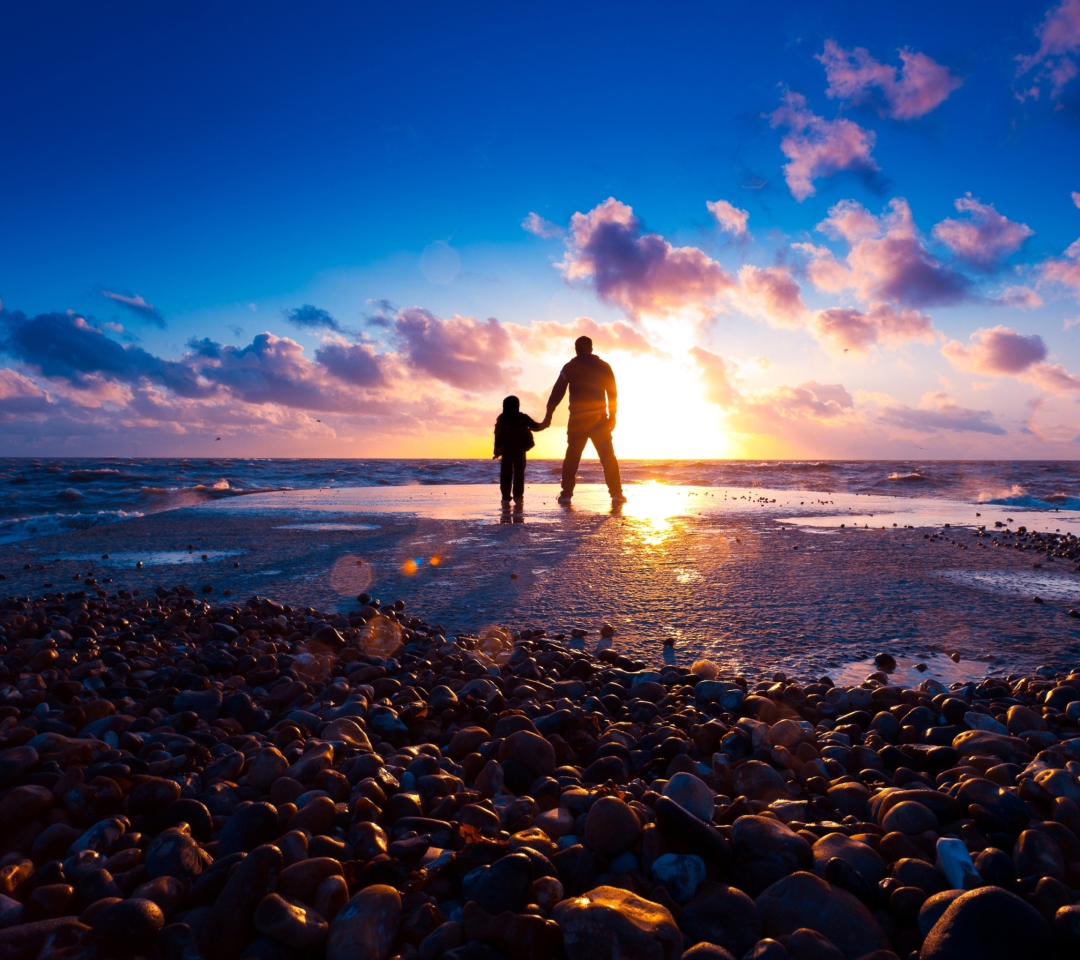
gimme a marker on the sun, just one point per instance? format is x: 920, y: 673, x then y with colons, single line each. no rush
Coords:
x: 663, y: 413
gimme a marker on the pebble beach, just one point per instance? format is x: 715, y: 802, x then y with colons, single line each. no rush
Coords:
x: 185, y: 779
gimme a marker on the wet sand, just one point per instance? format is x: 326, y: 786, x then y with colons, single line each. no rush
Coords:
x: 757, y: 581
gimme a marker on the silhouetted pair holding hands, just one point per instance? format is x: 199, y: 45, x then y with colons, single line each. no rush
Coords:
x: 593, y: 402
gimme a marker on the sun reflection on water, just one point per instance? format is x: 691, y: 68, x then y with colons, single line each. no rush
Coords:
x: 654, y: 509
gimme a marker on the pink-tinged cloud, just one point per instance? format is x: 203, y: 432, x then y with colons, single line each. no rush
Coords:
x: 770, y: 293
x: 808, y: 402
x: 543, y: 336
x: 887, y: 260
x: 717, y: 375
x: 731, y: 219
x: 856, y: 77
x: 640, y: 272
x: 1020, y: 296
x: 1059, y: 43
x: 997, y: 351
x: 986, y: 238
x: 20, y: 396
x: 938, y: 411
x: 1076, y: 198
x: 854, y: 330
x: 1065, y: 270
x: 1053, y: 378
x: 1000, y: 352
x: 539, y: 227
x: 816, y: 147
x: 464, y: 352
x: 137, y: 305
x: 355, y: 363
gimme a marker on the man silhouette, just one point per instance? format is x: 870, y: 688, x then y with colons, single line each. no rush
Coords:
x: 593, y: 400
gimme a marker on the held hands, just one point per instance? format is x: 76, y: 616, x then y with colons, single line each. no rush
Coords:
x: 546, y: 422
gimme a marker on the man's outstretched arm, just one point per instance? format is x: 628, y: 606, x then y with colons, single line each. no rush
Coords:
x: 557, y: 393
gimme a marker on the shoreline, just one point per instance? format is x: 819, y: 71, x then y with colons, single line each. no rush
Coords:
x: 257, y: 779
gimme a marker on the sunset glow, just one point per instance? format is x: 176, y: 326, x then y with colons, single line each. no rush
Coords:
x: 848, y: 235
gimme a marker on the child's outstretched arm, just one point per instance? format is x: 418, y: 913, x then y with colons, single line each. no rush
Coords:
x: 534, y: 426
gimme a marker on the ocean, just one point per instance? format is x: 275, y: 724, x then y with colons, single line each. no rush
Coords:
x: 43, y: 497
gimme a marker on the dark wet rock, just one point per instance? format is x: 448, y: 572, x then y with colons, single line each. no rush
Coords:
x: 723, y: 915
x: 611, y: 826
x: 805, y: 900
x: 685, y: 833
x: 229, y: 923
x: 759, y: 781
x: 862, y: 858
x: 502, y: 886
x: 290, y: 922
x: 366, y: 927
x: 989, y: 923
x: 248, y: 828
x: 173, y: 853
x: 129, y: 927
x: 609, y: 922
x: 763, y: 838
x: 520, y: 936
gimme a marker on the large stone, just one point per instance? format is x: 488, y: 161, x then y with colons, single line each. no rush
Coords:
x: 763, y: 838
x: 685, y: 833
x: 611, y: 827
x: 531, y: 750
x: 129, y: 927
x: 520, y: 936
x: 759, y: 781
x: 909, y: 817
x: 1036, y: 855
x: 723, y: 915
x: 862, y: 858
x: 366, y: 927
x: 609, y: 922
x: 692, y: 794
x: 804, y: 900
x: 989, y: 924
x: 502, y: 886
x: 269, y: 764
x: 290, y: 922
x: 248, y: 828
x: 680, y: 873
x: 229, y: 923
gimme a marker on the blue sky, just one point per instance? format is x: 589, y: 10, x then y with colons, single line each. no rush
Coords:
x: 228, y: 164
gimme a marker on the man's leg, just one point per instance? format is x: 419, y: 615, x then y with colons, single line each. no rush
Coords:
x: 506, y: 474
x: 575, y: 446
x: 519, y: 476
x: 605, y: 450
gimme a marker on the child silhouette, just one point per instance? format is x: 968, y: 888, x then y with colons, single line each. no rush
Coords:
x: 513, y: 437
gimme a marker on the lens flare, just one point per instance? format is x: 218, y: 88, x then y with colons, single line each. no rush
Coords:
x: 380, y: 637
x: 351, y: 575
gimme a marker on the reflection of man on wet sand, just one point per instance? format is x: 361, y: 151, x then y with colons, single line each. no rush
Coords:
x: 593, y: 400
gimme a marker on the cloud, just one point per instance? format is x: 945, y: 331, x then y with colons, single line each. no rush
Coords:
x: 856, y: 77
x: 717, y: 373
x: 851, y: 329
x: 887, y: 260
x: 355, y: 363
x: 137, y: 305
x: 544, y: 335
x: 20, y: 396
x: 464, y: 352
x: 1059, y: 42
x: 986, y: 238
x: 1019, y: 296
x: 1065, y: 269
x: 998, y: 351
x: 641, y: 272
x: 730, y: 218
x: 816, y: 147
x: 1076, y: 198
x: 313, y: 318
x: 539, y: 227
x: 66, y: 345
x: 936, y: 412
x: 770, y: 293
